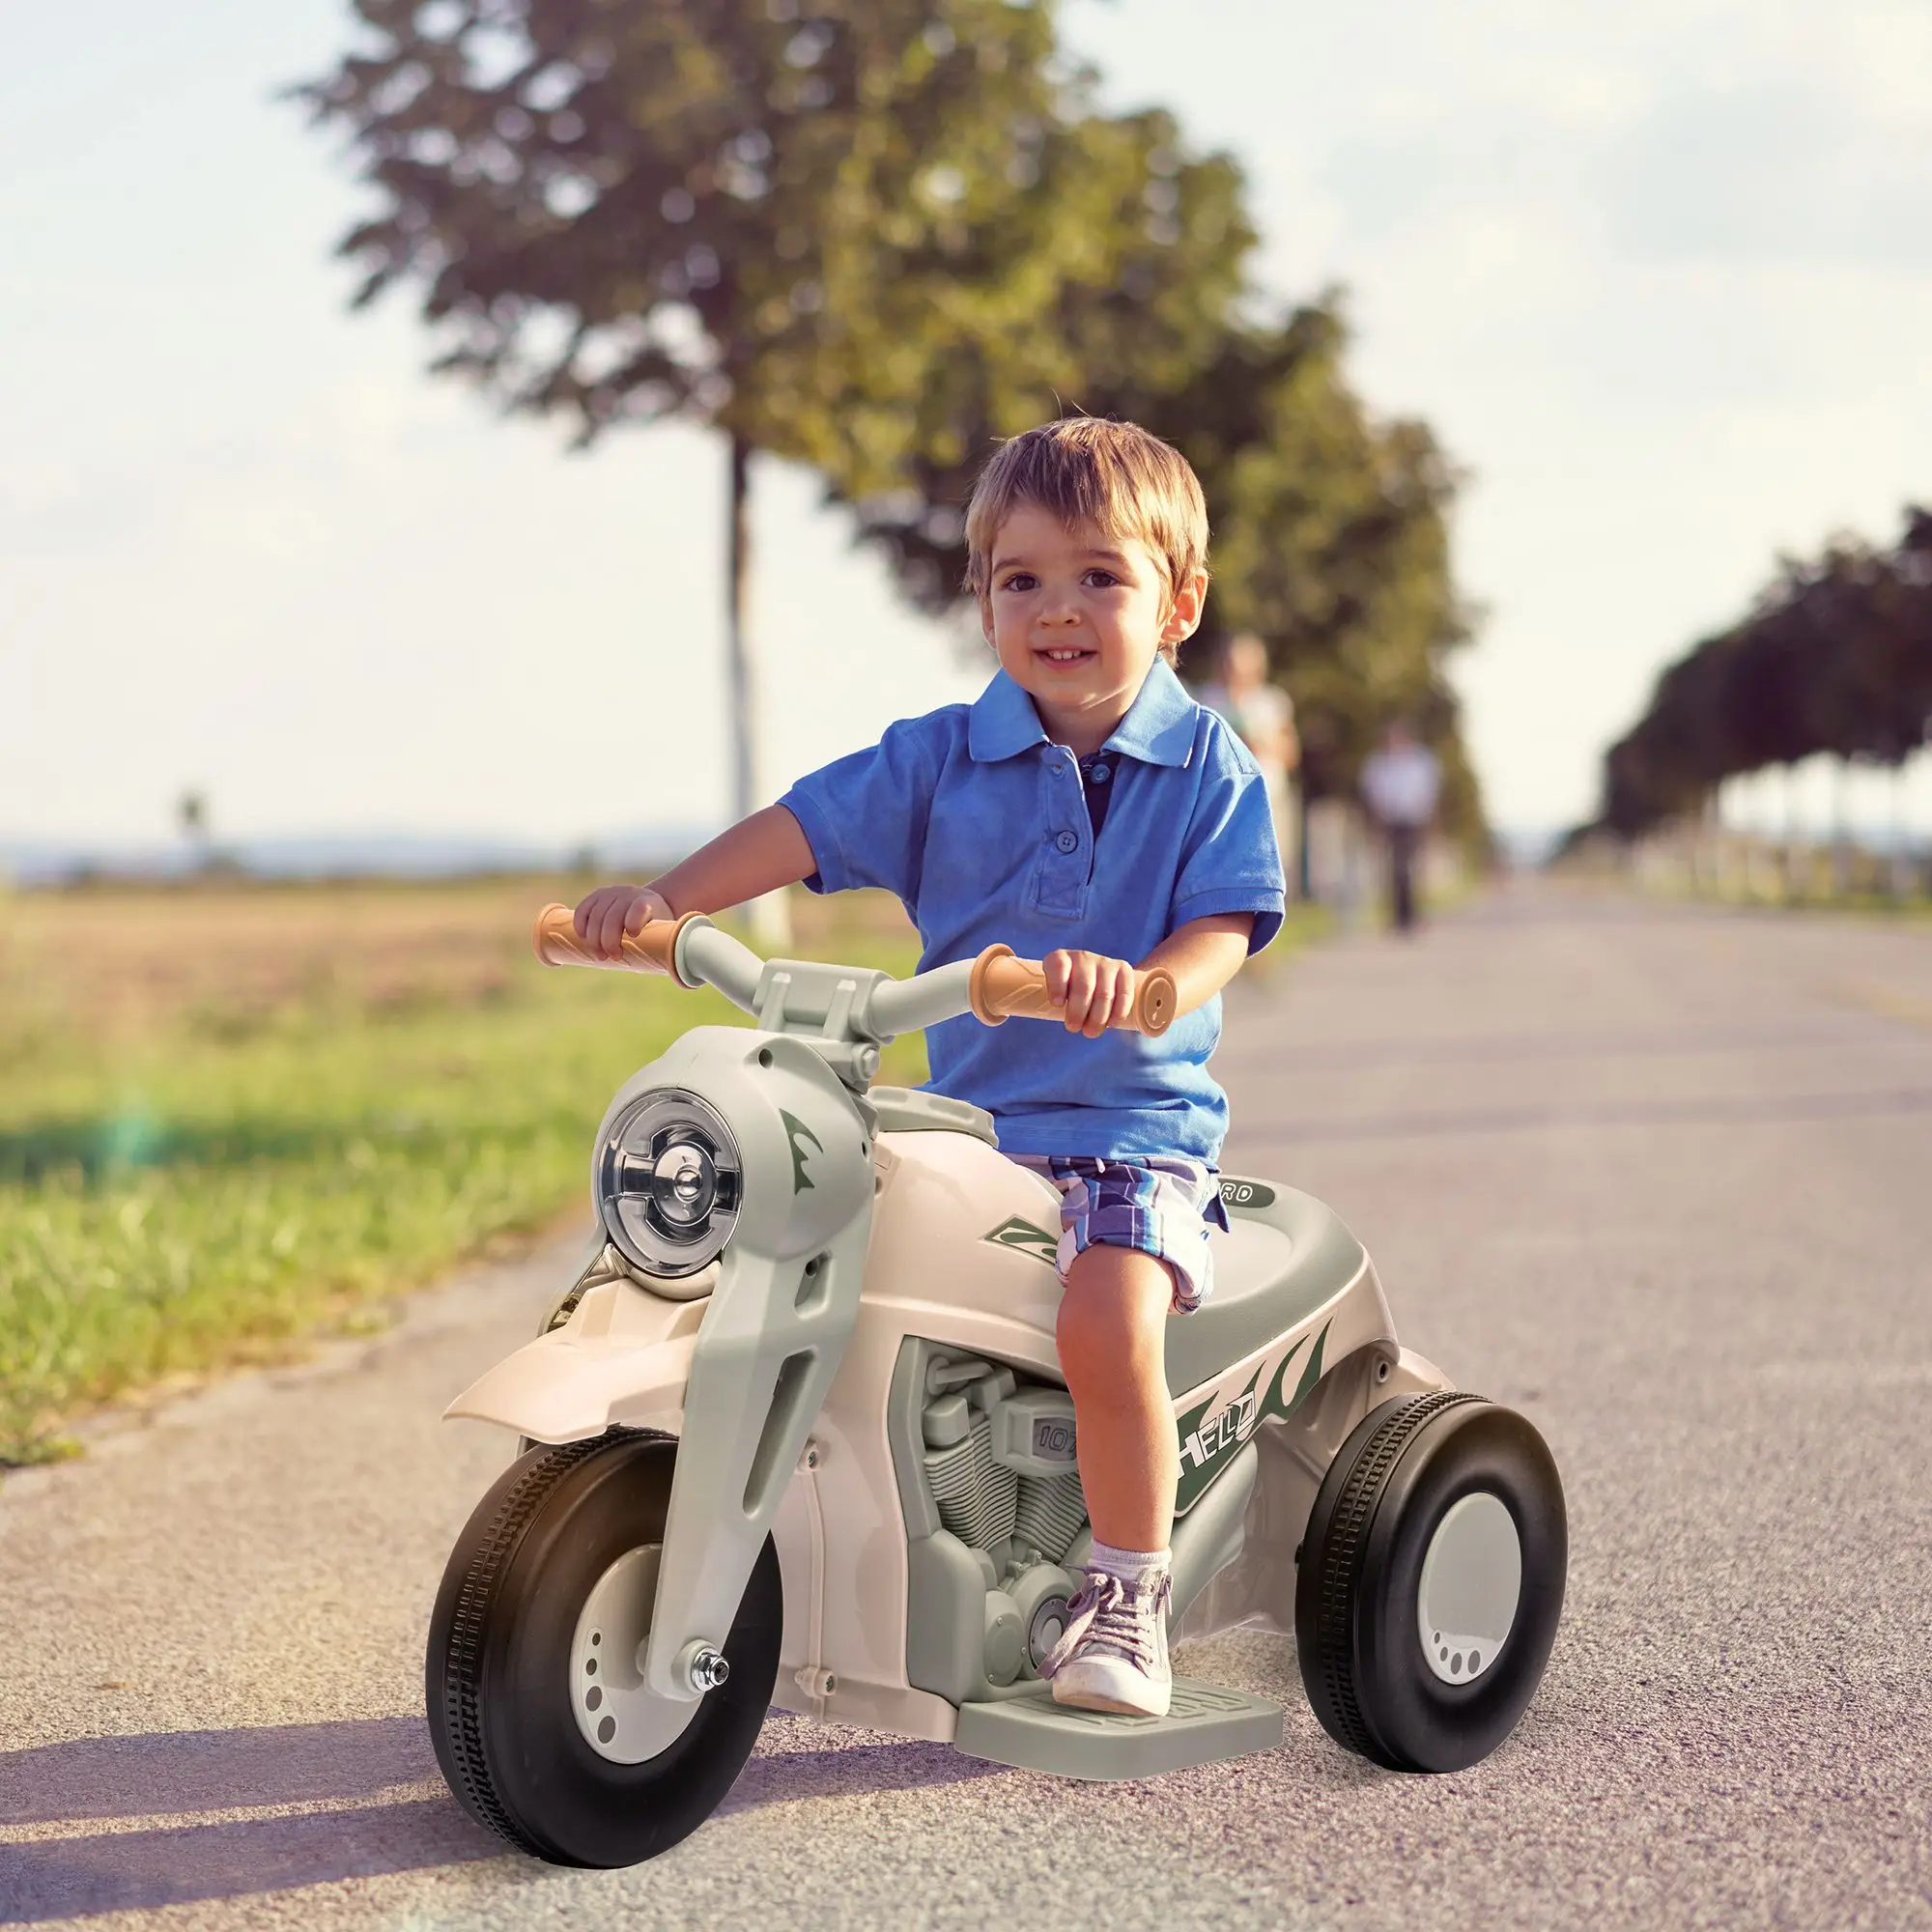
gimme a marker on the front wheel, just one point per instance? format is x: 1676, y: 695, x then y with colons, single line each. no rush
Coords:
x: 1431, y: 1581
x: 536, y: 1704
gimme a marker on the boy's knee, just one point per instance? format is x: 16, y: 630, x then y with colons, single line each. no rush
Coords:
x: 1079, y: 1329
x: 1112, y: 1308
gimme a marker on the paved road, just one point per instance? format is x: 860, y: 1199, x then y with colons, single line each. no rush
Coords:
x: 1662, y: 1179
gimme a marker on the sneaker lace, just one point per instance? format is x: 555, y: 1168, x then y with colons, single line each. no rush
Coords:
x: 1110, y: 1612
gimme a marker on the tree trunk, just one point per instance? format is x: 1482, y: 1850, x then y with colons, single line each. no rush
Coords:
x: 1898, y: 872
x: 1794, y: 879
x: 1841, y: 827
x: 737, y: 644
x: 770, y: 917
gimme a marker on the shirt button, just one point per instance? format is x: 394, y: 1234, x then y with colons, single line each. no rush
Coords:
x: 1100, y: 775
x: 1068, y: 842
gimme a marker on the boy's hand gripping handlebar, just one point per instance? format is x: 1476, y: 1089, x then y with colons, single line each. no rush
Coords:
x: 994, y: 987
x: 652, y: 950
x: 1004, y: 987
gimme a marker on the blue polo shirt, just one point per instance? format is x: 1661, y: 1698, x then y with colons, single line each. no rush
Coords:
x: 979, y: 825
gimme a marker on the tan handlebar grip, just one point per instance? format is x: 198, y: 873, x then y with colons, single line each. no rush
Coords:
x: 1005, y: 988
x: 654, y: 949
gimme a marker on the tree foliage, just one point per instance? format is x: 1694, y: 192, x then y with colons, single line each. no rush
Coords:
x: 630, y: 210
x: 1835, y: 656
x: 876, y: 237
x: 1330, y: 533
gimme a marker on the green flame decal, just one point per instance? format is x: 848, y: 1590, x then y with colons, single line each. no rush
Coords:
x: 1204, y: 1452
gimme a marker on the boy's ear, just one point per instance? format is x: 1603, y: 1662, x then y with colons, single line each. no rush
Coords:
x: 1183, y: 616
x: 985, y: 605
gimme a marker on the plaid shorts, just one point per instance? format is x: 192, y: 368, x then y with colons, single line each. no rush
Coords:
x: 1162, y: 1206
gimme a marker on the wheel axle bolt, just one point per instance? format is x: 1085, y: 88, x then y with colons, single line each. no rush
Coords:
x: 707, y: 1669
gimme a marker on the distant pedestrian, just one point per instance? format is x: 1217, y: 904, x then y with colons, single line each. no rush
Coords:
x: 1401, y: 783
x: 1263, y: 716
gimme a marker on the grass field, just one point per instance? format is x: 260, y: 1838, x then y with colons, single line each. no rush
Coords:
x: 230, y: 1119
x: 234, y: 1117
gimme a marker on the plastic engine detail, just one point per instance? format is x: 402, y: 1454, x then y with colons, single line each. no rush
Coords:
x: 999, y: 1458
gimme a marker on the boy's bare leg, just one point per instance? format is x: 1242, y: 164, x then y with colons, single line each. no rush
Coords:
x: 1112, y: 1335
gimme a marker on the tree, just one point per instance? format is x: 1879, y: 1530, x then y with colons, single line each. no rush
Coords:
x: 1333, y: 545
x: 875, y: 236
x: 1330, y: 530
x: 1109, y: 283
x: 1835, y: 656
x: 191, y: 817
x: 734, y: 211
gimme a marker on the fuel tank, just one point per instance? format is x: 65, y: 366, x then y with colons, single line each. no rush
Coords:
x: 962, y: 1247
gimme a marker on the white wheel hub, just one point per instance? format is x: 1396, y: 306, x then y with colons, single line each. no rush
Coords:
x: 1472, y: 1583
x: 620, y: 1717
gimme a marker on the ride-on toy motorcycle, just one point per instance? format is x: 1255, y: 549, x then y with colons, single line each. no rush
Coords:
x: 796, y: 1433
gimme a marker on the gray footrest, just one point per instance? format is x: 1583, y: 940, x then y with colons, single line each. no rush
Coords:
x: 1205, y: 1722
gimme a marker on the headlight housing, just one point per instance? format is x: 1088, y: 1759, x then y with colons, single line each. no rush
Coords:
x: 669, y: 1181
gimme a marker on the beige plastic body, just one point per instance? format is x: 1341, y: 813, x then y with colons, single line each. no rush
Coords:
x: 622, y: 1358
x: 935, y: 1271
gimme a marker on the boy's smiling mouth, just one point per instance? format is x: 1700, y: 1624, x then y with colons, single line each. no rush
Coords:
x: 1067, y: 654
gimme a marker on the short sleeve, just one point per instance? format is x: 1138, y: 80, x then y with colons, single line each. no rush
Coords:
x: 1230, y: 860
x: 864, y: 816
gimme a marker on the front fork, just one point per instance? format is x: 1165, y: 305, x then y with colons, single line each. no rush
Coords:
x: 772, y: 1339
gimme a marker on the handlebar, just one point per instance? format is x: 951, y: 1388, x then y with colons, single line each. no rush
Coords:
x: 995, y: 987
x: 1004, y: 987
x: 654, y: 949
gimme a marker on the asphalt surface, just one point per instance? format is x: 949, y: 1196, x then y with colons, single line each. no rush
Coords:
x: 1662, y: 1179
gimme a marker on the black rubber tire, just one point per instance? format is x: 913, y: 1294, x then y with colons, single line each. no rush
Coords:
x: 496, y: 1677
x: 1362, y: 1661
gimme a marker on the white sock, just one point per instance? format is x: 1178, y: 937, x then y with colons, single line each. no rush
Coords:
x: 1130, y: 1566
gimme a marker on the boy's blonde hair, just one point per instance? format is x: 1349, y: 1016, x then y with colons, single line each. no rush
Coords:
x: 1091, y: 469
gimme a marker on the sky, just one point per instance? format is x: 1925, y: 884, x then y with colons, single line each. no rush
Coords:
x: 1659, y: 277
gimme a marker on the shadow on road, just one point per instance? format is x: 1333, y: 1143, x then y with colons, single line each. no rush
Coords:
x: 67, y: 1878
x: 172, y: 1772
x: 783, y: 1778
x: 335, y: 1767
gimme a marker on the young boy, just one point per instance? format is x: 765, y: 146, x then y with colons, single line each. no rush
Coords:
x: 1085, y: 809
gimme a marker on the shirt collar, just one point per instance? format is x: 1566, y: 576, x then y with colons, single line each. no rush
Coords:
x: 1003, y: 721
x: 1158, y: 728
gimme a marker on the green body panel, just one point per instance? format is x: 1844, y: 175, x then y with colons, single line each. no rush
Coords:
x: 1320, y: 1259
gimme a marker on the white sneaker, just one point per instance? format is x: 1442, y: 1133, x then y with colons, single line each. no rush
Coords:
x: 1113, y: 1654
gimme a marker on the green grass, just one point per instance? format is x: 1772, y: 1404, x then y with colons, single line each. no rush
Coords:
x: 210, y: 1194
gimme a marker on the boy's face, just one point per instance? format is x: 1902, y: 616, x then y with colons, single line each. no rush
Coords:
x: 1077, y: 618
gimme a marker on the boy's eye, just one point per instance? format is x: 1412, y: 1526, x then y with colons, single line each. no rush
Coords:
x: 1100, y: 579
x: 1019, y: 579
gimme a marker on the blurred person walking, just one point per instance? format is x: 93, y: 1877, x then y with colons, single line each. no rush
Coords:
x: 1401, y: 783
x: 1262, y: 717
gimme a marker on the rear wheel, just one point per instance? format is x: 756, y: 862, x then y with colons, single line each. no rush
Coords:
x: 1431, y: 1581
x: 536, y: 1704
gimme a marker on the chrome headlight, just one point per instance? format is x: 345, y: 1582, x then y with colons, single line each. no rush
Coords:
x: 670, y: 1183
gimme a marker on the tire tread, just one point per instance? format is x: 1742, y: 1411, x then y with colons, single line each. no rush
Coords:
x: 463, y: 1672
x: 1354, y: 1516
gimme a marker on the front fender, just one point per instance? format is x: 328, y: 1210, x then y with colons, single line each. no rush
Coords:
x: 622, y: 1358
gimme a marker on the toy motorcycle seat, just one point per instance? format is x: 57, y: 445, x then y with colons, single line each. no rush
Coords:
x: 1284, y: 1257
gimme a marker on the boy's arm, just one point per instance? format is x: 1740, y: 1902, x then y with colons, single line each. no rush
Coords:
x: 757, y: 855
x: 1203, y: 955
x: 1097, y: 992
